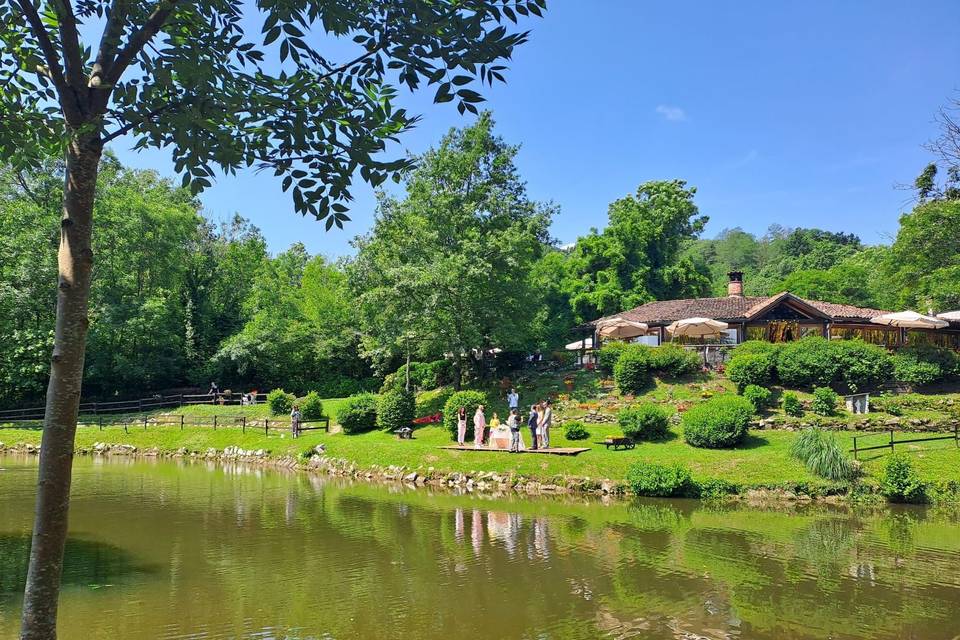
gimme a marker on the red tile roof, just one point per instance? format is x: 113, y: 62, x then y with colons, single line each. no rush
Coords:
x: 736, y: 309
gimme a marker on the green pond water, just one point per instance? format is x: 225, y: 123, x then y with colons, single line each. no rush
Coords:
x: 177, y: 551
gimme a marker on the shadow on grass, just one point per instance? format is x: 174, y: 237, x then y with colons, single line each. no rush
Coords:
x: 753, y: 441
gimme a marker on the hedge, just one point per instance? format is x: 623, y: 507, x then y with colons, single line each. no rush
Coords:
x: 358, y: 414
x: 673, y: 360
x: 718, y: 423
x: 469, y: 399
x: 311, y: 406
x: 644, y: 421
x: 758, y: 396
x: 395, y: 410
x: 747, y: 369
x: 608, y: 356
x: 280, y: 402
x: 632, y: 371
x: 660, y: 480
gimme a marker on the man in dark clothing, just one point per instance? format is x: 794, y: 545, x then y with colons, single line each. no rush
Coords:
x: 532, y: 422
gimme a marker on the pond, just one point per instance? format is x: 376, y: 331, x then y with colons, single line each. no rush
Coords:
x: 189, y: 550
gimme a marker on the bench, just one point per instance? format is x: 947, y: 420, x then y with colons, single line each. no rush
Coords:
x: 404, y: 433
x: 619, y: 443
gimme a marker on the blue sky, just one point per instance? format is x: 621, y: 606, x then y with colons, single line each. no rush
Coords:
x: 801, y: 114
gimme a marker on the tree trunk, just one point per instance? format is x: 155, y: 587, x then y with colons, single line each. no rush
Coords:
x: 75, y: 260
x: 457, y: 372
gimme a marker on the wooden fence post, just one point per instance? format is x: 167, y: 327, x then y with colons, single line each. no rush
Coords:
x: 243, y: 424
x: 214, y: 422
x: 181, y: 422
x: 125, y: 426
x: 854, y: 447
x: 891, y: 440
x: 144, y: 423
x: 266, y: 426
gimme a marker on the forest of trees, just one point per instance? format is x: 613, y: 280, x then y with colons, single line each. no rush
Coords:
x: 461, y: 261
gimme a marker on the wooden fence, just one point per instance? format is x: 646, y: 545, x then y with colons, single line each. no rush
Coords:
x: 955, y: 436
x: 144, y: 422
x: 152, y: 403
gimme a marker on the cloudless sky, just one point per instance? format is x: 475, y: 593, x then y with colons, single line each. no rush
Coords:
x: 800, y: 114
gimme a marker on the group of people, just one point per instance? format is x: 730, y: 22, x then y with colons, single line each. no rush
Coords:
x: 539, y: 422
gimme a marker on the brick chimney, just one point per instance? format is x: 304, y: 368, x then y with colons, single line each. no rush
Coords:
x: 735, y: 286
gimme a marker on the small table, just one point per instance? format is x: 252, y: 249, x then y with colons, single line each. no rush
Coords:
x: 619, y: 443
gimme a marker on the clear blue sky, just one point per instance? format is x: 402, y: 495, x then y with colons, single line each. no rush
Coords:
x: 801, y: 114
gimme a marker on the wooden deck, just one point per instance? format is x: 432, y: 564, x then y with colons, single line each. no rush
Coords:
x: 555, y: 451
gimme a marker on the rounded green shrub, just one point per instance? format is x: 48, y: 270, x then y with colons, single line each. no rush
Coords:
x: 469, y: 399
x: 311, y: 406
x: 575, y: 431
x: 751, y: 369
x: 861, y: 365
x: 714, y: 488
x: 644, y: 421
x: 758, y: 396
x: 791, y: 404
x: 755, y: 347
x: 718, y: 423
x: 824, y: 401
x: 358, y: 414
x: 922, y: 364
x: 900, y: 481
x: 915, y: 372
x: 818, y: 362
x: 395, y: 410
x: 608, y: 355
x: 632, y: 371
x: 659, y: 480
x: 673, y: 360
x: 280, y: 402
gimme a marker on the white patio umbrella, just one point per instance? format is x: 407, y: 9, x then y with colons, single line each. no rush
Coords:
x: 618, y: 327
x: 697, y: 327
x: 586, y: 343
x: 950, y: 316
x: 909, y: 320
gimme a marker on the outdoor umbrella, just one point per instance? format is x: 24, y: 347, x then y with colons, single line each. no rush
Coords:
x: 950, y: 316
x: 697, y: 327
x: 618, y: 327
x: 586, y: 343
x: 909, y: 320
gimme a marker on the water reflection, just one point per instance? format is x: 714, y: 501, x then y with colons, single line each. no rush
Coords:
x: 279, y: 555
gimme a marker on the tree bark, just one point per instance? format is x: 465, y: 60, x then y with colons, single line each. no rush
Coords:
x: 75, y: 261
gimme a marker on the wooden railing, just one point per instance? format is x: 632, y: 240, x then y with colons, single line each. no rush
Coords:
x: 131, y: 421
x: 137, y: 406
x: 955, y: 436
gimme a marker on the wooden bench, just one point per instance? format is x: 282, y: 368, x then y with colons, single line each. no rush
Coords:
x: 405, y: 433
x: 619, y: 443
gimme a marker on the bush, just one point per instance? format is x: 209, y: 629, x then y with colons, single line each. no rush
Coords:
x: 311, y: 406
x: 280, y: 402
x: 861, y: 365
x: 644, y: 421
x: 469, y: 399
x: 755, y: 347
x: 925, y: 364
x: 718, y: 423
x: 358, y: 414
x: 659, y: 480
x: 714, y: 488
x: 608, y: 356
x: 758, y: 396
x: 818, y: 362
x: 900, y: 482
x: 575, y: 431
x: 632, y: 371
x: 819, y: 451
x: 396, y: 410
x: 747, y: 369
x: 824, y: 401
x: 673, y: 360
x: 792, y: 405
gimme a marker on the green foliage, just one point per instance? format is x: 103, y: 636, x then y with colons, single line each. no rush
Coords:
x: 925, y: 364
x: 358, y: 414
x: 395, y: 410
x: 755, y: 347
x: 659, y: 480
x: 644, y: 421
x: 746, y: 369
x: 280, y: 402
x: 311, y: 406
x: 714, y: 488
x: 758, y: 396
x: 609, y: 354
x: 791, y: 404
x: 632, y: 371
x: 718, y: 423
x: 925, y: 257
x: 900, y: 481
x: 469, y: 399
x: 575, y: 430
x: 824, y: 401
x: 673, y: 360
x: 815, y: 361
x: 819, y: 451
x: 425, y: 376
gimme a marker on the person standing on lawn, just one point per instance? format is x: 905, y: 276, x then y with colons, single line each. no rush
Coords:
x: 295, y: 421
x: 513, y: 421
x: 479, y: 427
x: 533, y: 421
x: 546, y: 421
x: 513, y: 400
x: 461, y: 426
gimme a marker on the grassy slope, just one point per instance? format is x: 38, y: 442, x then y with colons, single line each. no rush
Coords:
x: 763, y: 460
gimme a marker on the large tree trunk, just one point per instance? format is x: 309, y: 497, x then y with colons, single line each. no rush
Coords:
x: 75, y: 259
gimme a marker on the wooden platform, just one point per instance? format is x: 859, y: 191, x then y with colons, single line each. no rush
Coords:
x: 556, y: 451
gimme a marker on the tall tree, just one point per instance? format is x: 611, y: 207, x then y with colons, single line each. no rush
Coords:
x: 188, y: 76
x: 449, y: 265
x: 925, y: 257
x: 638, y: 257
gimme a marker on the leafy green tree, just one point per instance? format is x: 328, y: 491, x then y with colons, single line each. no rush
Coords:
x: 925, y: 257
x: 193, y: 78
x: 450, y: 263
x: 638, y: 257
